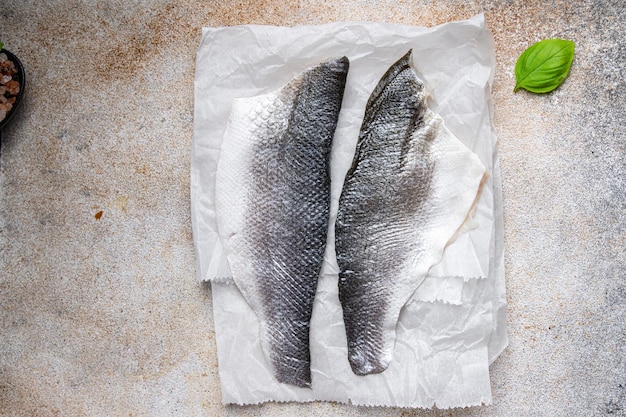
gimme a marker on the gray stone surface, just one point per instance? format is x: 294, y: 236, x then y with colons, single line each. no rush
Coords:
x: 105, y: 317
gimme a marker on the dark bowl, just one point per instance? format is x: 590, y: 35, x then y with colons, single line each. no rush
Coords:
x: 21, y: 77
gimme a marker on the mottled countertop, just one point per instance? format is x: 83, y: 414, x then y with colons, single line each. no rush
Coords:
x: 105, y: 316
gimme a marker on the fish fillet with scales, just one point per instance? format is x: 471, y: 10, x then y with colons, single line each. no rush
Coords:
x: 411, y: 185
x: 272, y: 204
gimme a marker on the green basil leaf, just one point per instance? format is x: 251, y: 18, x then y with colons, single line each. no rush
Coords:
x: 1, y: 45
x: 544, y: 66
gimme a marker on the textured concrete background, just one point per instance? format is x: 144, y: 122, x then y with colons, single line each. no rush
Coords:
x: 105, y: 317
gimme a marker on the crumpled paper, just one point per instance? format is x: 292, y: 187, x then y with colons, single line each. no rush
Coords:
x: 454, y: 326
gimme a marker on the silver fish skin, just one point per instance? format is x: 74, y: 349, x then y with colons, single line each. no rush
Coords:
x: 410, y: 187
x: 272, y: 207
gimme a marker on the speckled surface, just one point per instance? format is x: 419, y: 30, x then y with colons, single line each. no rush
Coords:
x: 105, y: 317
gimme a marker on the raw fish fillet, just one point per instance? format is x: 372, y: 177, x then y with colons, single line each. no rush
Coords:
x: 272, y: 203
x: 410, y: 187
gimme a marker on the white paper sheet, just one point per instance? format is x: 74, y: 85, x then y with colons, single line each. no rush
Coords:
x: 455, y: 324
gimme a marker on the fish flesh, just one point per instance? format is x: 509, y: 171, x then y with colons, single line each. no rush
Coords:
x: 272, y: 207
x: 411, y: 186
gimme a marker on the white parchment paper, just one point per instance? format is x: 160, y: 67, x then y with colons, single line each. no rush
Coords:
x: 455, y: 324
